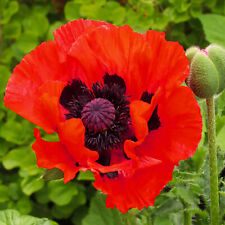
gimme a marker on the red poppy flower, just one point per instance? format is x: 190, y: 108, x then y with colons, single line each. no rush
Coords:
x: 116, y: 101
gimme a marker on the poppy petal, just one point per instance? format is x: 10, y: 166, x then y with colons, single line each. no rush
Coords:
x: 178, y: 136
x: 45, y: 63
x: 114, y: 50
x: 175, y: 67
x: 67, y: 34
x: 72, y: 135
x: 47, y: 107
x: 54, y: 155
x: 140, y: 112
x: 123, y: 193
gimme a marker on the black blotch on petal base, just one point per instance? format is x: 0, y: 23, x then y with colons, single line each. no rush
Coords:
x: 115, y: 82
x: 110, y: 175
x: 147, y: 97
x: 154, y: 121
x: 74, y: 97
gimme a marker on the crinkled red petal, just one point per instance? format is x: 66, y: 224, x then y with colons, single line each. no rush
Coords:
x: 118, y: 51
x: 140, y: 112
x: 134, y: 190
x: 178, y: 136
x: 46, y: 105
x: 44, y: 64
x: 54, y: 155
x: 67, y: 34
x: 169, y: 65
x: 72, y: 135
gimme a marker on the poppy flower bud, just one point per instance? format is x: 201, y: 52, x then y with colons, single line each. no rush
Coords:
x: 190, y: 53
x: 203, y: 78
x: 217, y: 55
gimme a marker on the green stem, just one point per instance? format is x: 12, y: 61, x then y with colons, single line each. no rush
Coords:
x: 213, y: 162
x: 187, y: 218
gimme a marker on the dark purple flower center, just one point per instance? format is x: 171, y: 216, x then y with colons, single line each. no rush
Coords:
x: 98, y: 115
x: 104, y: 111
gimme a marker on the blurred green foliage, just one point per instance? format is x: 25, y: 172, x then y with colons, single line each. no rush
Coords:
x: 23, y: 25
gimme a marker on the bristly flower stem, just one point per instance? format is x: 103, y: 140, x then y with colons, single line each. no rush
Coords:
x: 213, y: 162
x: 187, y: 218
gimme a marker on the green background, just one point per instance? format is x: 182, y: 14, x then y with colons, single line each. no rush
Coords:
x: 27, y: 198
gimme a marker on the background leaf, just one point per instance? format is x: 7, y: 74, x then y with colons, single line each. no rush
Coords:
x: 100, y: 214
x: 213, y: 26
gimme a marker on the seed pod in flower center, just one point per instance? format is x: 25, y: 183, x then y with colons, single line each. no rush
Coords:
x: 98, y: 115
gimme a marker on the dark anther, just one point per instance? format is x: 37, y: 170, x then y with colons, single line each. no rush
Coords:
x: 154, y: 121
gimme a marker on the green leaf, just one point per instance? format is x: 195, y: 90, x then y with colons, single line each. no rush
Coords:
x: 169, y: 206
x: 24, y: 205
x: 21, y: 157
x: 36, y: 24
x: 187, y: 196
x: 4, y: 146
x: 12, y: 30
x: 42, y: 196
x: 53, y: 174
x: 221, y: 139
x: 12, y: 135
x: 88, y: 175
x: 13, y: 217
x: 160, y: 220
x: 14, y: 191
x: 220, y: 103
x: 195, y: 10
x: 14, y: 158
x: 26, y: 42
x: 51, y: 137
x: 53, y: 27
x: 60, y: 193
x: 220, y: 123
x: 90, y: 11
x: 72, y: 11
x: 180, y: 5
x: 30, y: 185
x: 7, y: 55
x: 4, y: 76
x: 4, y: 193
x: 65, y: 211
x: 100, y: 214
x: 111, y: 11
x: 213, y: 26
x: 8, y: 12
x: 199, y: 157
x: 36, y: 8
x: 79, y: 214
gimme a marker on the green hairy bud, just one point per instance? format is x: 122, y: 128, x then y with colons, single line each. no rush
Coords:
x: 207, y: 70
x: 190, y: 53
x: 217, y: 54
